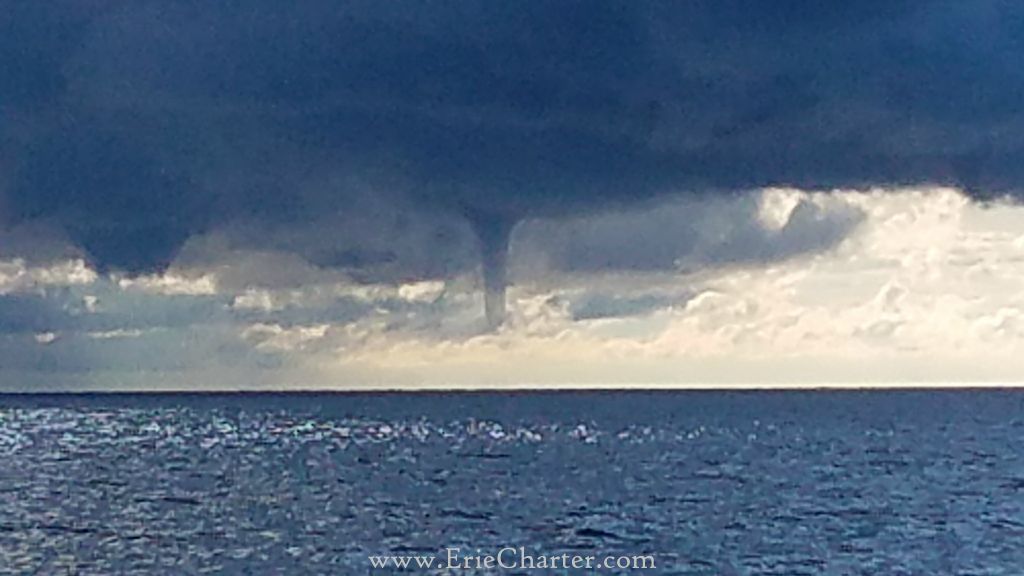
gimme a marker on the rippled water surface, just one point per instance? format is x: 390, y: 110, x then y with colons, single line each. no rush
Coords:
x: 716, y: 483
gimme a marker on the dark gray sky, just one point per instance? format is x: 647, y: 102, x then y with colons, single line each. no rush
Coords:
x: 137, y: 124
x: 388, y: 143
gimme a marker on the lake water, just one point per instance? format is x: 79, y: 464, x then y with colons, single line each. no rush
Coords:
x: 722, y: 483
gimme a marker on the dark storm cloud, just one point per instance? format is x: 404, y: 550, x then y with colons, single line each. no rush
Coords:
x: 683, y: 234
x: 135, y: 125
x: 62, y: 310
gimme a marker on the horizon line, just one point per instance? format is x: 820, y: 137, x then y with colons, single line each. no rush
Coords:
x: 533, y: 388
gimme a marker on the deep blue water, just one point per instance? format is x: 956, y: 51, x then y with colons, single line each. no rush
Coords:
x: 723, y: 483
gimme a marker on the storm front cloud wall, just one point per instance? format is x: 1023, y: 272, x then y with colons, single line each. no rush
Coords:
x: 137, y: 125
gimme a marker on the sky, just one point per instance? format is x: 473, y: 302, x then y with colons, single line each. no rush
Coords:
x: 254, y: 195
